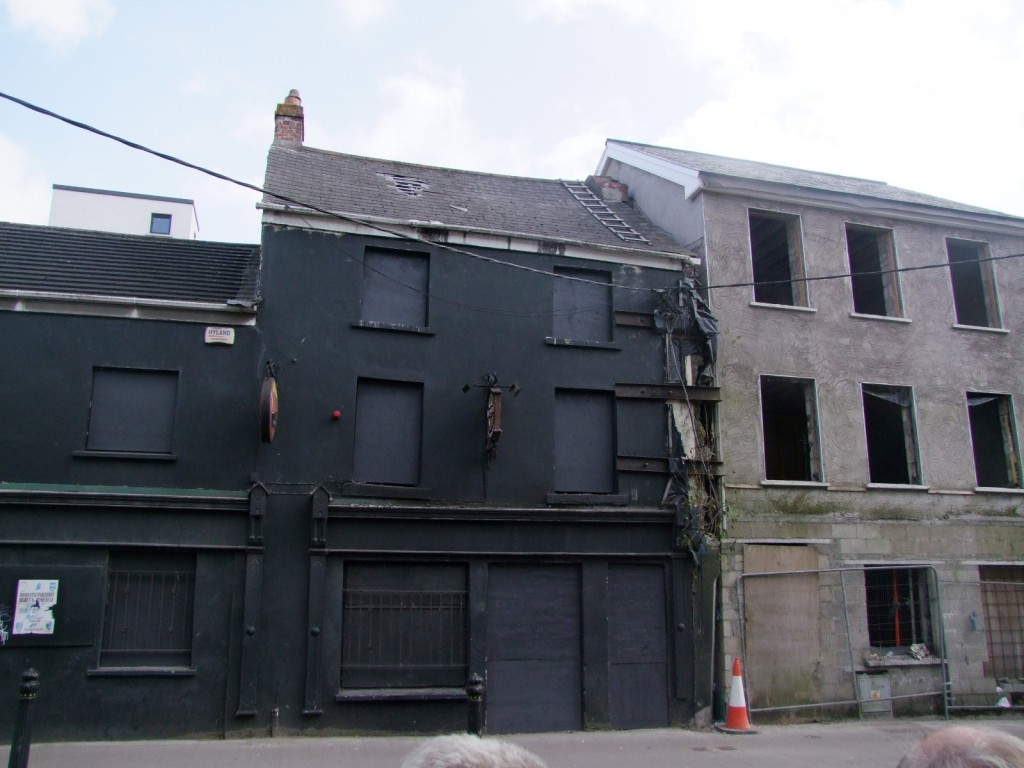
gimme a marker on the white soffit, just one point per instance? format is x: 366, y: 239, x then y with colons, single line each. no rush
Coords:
x: 687, y: 178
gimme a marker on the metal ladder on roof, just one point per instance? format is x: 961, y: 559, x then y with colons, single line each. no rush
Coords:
x: 600, y: 211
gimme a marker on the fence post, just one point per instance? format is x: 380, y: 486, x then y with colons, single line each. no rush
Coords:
x: 22, y: 737
x: 475, y: 695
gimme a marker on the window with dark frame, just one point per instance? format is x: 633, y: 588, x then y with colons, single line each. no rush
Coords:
x: 582, y: 305
x: 405, y: 626
x: 388, y: 432
x: 777, y: 258
x: 584, y: 441
x: 891, y: 435
x: 395, y: 288
x: 132, y: 411
x: 994, y: 440
x: 147, y: 616
x: 974, y: 288
x: 160, y: 224
x: 872, y: 256
x: 899, y: 607
x: 790, y: 428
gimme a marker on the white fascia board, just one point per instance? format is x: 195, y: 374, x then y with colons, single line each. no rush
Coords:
x: 463, y: 237
x: 687, y: 178
x: 126, y: 308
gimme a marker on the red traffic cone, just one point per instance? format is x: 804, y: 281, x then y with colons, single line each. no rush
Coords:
x: 736, y: 719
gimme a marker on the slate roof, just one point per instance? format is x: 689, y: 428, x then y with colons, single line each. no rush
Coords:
x: 75, y: 261
x: 780, y: 174
x: 365, y: 186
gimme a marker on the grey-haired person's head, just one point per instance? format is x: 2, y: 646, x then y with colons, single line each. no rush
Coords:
x: 966, y: 746
x: 465, y: 751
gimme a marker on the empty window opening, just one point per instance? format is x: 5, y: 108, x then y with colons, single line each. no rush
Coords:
x: 777, y: 259
x: 404, y: 626
x: 389, y: 427
x: 872, y: 256
x: 899, y: 607
x: 584, y: 442
x: 132, y: 411
x: 395, y: 287
x: 789, y: 421
x: 147, y: 618
x: 974, y: 292
x: 892, y: 442
x: 996, y: 458
x: 582, y: 307
x: 1002, y: 594
x: 160, y: 224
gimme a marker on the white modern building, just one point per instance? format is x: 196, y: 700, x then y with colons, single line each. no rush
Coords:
x: 124, y: 212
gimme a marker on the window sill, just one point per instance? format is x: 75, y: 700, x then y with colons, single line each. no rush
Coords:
x: 883, y: 318
x: 901, y: 660
x: 385, y: 491
x: 555, y: 498
x: 784, y: 307
x: 897, y: 487
x: 793, y: 484
x: 141, y: 672
x: 132, y: 455
x: 981, y: 328
x: 401, y: 694
x: 377, y: 326
x: 551, y: 341
x: 995, y: 489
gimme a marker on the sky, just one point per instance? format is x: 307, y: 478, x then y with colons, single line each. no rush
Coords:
x: 921, y: 94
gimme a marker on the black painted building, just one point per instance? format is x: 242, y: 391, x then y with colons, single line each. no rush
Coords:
x: 493, y: 459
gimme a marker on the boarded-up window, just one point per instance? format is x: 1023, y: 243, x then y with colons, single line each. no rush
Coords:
x: 395, y: 287
x: 777, y: 259
x: 582, y: 305
x: 147, y: 620
x: 974, y: 289
x: 789, y: 421
x: 132, y: 410
x: 872, y: 261
x: 404, y: 626
x: 389, y: 427
x: 1002, y: 593
x: 996, y: 459
x: 899, y: 607
x: 891, y: 436
x: 584, y: 441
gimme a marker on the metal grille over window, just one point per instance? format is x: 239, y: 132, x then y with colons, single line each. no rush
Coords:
x: 148, y: 618
x: 403, y: 638
x: 603, y: 213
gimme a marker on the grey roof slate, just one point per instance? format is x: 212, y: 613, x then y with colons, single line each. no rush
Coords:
x: 365, y: 186
x: 75, y: 261
x: 780, y: 174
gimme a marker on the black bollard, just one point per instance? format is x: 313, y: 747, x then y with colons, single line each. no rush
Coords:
x: 22, y: 737
x: 475, y: 695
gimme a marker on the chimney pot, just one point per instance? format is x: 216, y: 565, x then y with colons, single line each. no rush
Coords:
x: 608, y: 189
x: 289, y: 124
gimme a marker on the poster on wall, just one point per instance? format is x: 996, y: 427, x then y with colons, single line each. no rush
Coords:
x: 33, y: 607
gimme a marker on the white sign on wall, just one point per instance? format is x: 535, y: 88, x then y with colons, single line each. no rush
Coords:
x: 220, y: 335
x: 33, y: 609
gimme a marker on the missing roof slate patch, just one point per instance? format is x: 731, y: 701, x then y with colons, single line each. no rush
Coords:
x: 407, y: 185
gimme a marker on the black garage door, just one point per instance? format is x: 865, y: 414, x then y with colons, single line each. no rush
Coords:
x: 637, y: 647
x: 533, y: 649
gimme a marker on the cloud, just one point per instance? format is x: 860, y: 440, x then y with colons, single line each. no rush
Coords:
x: 362, y: 13
x: 24, y: 196
x: 61, y: 24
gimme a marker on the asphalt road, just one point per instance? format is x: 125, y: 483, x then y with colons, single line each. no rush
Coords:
x: 870, y: 743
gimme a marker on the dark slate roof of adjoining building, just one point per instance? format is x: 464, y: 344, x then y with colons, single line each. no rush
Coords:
x: 404, y: 192
x: 780, y: 174
x: 84, y: 262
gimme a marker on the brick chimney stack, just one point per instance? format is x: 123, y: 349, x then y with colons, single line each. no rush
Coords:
x: 289, y: 125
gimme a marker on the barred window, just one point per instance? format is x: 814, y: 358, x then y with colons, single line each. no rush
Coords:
x: 899, y: 607
x: 404, y: 626
x: 148, y: 614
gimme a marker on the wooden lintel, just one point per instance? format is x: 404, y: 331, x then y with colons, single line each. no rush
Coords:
x: 666, y: 392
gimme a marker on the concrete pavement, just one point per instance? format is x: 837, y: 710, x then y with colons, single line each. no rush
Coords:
x: 878, y: 744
